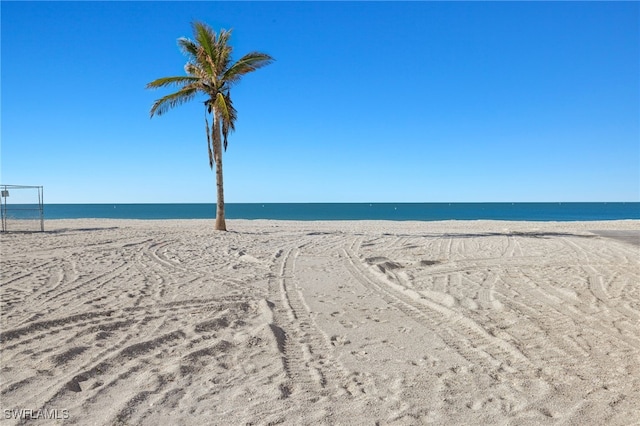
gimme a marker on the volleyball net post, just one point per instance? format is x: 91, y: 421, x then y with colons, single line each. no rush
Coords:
x: 22, y: 208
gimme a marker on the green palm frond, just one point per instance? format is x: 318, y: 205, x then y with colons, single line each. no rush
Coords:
x: 194, y: 71
x: 223, y: 52
x: 168, y: 102
x: 227, y: 114
x: 233, y: 114
x: 171, y: 81
x: 248, y: 63
x: 209, y: 146
x: 207, y: 51
x: 205, y: 37
x: 220, y: 105
x: 188, y: 47
x: 213, y: 51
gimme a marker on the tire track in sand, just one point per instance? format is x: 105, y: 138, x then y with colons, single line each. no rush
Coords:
x: 307, y: 357
x: 460, y: 333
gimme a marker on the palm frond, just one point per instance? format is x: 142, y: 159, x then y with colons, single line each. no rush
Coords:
x: 165, y: 103
x: 228, y: 115
x: 199, y: 73
x: 248, y: 63
x: 220, y: 106
x: 206, y: 38
x: 193, y: 70
x: 206, y: 123
x: 188, y: 47
x: 171, y: 81
x: 208, y: 66
x: 223, y: 51
x: 233, y: 114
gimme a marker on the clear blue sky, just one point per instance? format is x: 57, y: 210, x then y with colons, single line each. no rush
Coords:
x: 366, y: 102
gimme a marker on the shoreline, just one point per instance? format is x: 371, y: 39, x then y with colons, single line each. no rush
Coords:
x: 614, y: 229
x: 625, y: 223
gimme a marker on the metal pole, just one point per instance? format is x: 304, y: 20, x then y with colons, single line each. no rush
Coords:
x: 41, y: 205
x: 3, y: 208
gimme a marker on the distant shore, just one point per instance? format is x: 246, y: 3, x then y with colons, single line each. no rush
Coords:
x: 322, y: 322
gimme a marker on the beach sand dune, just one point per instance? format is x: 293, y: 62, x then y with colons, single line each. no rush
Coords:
x: 398, y: 323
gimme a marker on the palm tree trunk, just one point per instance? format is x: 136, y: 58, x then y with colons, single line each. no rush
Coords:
x: 217, y: 154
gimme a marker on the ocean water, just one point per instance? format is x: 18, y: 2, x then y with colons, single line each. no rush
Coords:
x: 346, y: 211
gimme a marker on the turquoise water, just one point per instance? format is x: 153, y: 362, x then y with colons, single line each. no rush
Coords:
x: 353, y: 211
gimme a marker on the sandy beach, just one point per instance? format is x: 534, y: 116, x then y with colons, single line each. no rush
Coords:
x: 315, y: 323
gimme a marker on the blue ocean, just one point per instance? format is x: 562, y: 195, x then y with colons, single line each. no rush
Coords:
x: 354, y: 211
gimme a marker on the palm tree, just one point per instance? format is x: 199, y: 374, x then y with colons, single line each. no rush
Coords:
x: 211, y: 72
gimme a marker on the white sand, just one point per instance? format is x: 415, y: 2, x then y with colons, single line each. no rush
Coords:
x: 403, y: 323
